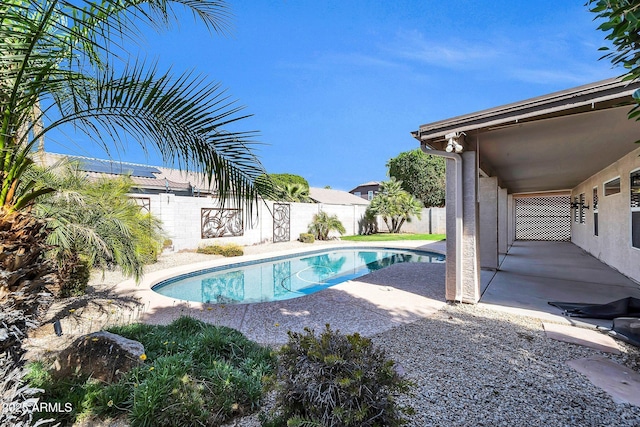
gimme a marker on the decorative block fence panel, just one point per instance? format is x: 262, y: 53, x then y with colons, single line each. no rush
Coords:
x: 543, y: 218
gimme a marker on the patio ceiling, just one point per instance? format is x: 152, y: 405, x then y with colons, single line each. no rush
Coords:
x: 550, y: 143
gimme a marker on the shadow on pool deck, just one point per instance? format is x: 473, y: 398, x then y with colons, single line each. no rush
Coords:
x: 401, y: 293
x: 371, y: 304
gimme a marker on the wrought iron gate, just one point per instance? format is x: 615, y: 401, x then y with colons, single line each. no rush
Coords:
x: 281, y: 222
x: 543, y: 218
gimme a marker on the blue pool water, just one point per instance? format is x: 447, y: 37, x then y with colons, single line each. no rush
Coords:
x: 281, y: 278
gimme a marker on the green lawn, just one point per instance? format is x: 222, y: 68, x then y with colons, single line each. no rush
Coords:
x: 385, y: 237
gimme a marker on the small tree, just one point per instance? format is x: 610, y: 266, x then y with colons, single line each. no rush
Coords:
x: 94, y: 222
x: 394, y: 205
x: 323, y: 224
x: 422, y: 175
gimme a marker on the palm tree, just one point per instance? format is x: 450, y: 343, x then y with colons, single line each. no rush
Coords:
x: 296, y: 193
x: 61, y: 55
x: 58, y: 67
x: 94, y: 222
x: 322, y: 224
x: 394, y: 205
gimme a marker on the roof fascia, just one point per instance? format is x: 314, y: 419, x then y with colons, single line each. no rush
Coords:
x: 603, y: 94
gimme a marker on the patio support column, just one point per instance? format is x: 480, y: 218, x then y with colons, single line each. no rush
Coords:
x: 488, y: 198
x: 470, y: 281
x: 503, y: 214
x: 511, y: 220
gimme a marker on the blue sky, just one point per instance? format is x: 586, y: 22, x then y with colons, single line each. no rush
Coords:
x: 335, y: 87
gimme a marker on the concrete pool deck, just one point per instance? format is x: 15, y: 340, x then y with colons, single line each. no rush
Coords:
x: 372, y: 304
x: 530, y: 275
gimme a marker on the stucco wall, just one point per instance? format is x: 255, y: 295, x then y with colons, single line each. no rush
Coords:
x: 613, y: 243
x: 488, y: 216
x: 181, y: 219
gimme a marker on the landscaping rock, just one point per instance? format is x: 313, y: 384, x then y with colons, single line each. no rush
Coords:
x: 101, y: 355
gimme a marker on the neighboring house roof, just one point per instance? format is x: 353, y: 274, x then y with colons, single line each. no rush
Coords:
x: 367, y: 184
x: 145, y: 177
x: 335, y: 197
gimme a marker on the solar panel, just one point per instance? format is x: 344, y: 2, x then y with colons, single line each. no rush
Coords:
x: 117, y: 168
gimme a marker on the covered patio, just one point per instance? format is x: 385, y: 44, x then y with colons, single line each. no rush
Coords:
x: 534, y: 273
x: 575, y: 148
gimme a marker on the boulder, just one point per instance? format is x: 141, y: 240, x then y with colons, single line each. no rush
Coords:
x: 101, y: 355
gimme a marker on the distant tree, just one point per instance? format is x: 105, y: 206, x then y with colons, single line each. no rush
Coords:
x: 288, y: 178
x: 394, y: 205
x: 273, y: 186
x: 327, y: 187
x: 421, y: 175
x: 297, y: 193
x: 622, y: 23
x: 323, y: 224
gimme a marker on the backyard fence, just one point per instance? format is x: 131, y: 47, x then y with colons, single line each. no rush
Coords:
x: 193, y: 221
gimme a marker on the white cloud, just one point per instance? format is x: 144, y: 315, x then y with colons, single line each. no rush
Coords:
x: 452, y: 53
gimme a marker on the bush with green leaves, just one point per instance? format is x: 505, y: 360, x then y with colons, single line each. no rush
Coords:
x: 322, y: 224
x: 307, y: 238
x: 94, y: 221
x: 228, y: 250
x: 194, y: 374
x: 336, y: 380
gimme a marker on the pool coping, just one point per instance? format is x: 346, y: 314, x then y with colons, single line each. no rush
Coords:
x: 274, y: 258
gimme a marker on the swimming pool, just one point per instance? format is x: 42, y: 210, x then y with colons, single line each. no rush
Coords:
x: 281, y: 278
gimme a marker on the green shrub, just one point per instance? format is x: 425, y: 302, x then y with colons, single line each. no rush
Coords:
x: 194, y: 374
x: 228, y: 250
x: 307, y: 238
x: 323, y: 224
x: 337, y: 380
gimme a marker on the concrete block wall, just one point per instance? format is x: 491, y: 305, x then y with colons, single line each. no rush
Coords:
x: 613, y: 243
x: 181, y: 219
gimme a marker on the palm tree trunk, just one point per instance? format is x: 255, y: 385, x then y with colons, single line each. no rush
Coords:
x: 24, y: 295
x: 25, y: 276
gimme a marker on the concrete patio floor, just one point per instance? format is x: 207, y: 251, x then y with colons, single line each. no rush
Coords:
x: 533, y: 273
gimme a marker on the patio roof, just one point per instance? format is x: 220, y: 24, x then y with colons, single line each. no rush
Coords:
x: 548, y: 143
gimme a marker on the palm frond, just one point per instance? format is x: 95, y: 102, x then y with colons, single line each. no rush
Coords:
x: 184, y: 117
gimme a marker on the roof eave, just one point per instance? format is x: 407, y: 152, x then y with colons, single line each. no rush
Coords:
x: 600, y: 95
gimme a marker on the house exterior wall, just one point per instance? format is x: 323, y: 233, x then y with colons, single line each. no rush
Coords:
x: 364, y: 190
x: 181, y: 218
x: 613, y: 244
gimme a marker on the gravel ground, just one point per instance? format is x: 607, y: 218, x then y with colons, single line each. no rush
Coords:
x: 472, y: 366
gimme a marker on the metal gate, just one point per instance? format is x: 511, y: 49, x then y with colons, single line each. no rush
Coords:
x: 281, y: 222
x: 543, y: 218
